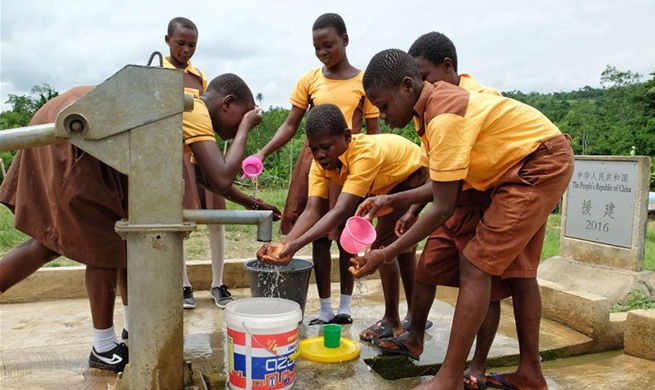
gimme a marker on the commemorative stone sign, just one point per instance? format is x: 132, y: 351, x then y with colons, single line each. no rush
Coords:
x: 605, y: 211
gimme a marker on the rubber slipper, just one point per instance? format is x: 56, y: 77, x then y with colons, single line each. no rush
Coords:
x: 407, y: 323
x: 400, y: 350
x: 381, y: 329
x: 342, y: 319
x: 318, y: 321
x: 499, y: 383
x: 479, y: 384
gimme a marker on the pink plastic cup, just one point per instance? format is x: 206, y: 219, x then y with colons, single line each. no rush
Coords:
x: 252, y: 166
x: 357, y: 235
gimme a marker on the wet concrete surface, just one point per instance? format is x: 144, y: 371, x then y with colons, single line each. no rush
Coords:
x: 45, y: 345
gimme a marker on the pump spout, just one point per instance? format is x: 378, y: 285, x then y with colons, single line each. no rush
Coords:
x: 262, y: 218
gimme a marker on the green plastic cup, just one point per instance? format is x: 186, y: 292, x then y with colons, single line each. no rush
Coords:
x: 332, y: 335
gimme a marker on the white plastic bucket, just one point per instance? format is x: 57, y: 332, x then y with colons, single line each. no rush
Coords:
x: 262, y: 333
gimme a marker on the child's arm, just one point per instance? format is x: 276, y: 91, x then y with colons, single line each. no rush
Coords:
x: 219, y: 172
x: 372, y: 126
x: 408, y: 219
x: 271, y: 253
x: 444, y: 200
x: 314, y: 230
x: 284, y: 134
x: 250, y: 202
x: 309, y: 227
x: 378, y: 206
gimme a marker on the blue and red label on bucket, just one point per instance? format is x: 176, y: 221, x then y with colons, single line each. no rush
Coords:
x: 260, y: 361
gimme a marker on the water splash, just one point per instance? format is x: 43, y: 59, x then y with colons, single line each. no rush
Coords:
x: 360, y: 287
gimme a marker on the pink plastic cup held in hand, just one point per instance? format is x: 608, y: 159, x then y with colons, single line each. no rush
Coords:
x: 357, y: 235
x: 252, y: 166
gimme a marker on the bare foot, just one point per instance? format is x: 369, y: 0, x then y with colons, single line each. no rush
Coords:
x: 517, y: 381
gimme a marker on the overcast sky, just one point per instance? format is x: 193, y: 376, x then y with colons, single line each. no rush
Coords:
x: 544, y: 46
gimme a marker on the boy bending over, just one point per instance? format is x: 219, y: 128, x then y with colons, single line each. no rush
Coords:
x: 492, y: 143
x: 364, y: 165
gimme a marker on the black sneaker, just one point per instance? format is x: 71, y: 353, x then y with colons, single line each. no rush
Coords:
x: 114, y: 359
x: 124, y: 334
x: 221, y: 296
x: 189, y: 302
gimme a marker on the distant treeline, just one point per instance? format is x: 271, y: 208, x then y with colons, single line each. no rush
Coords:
x: 616, y: 119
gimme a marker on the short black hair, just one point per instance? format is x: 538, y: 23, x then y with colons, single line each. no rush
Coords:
x: 434, y: 47
x: 387, y: 69
x: 180, y: 22
x: 325, y: 119
x: 330, y: 20
x: 231, y: 84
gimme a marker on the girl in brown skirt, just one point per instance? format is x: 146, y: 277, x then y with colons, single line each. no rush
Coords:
x: 340, y: 83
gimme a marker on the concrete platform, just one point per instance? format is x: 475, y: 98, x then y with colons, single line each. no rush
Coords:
x: 45, y: 345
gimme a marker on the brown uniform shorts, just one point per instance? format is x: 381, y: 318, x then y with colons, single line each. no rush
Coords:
x: 439, y: 262
x: 515, y: 221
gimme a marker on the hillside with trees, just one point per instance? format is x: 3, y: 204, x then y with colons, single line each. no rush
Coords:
x: 616, y: 119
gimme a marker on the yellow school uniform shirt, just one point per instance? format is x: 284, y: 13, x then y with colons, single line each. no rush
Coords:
x: 476, y: 137
x: 467, y: 82
x: 189, y: 69
x: 197, y: 125
x: 373, y: 164
x: 313, y: 89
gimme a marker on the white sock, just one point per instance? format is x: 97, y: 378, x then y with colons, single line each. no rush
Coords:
x: 344, y: 304
x: 326, y: 310
x: 217, y: 249
x: 185, y: 278
x: 104, y: 339
x: 126, y: 319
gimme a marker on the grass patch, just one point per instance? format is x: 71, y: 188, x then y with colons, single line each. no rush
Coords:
x: 649, y: 248
x: 551, y: 242
x: 635, y: 300
x: 9, y: 237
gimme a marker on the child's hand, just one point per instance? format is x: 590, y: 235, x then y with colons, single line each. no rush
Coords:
x: 252, y: 118
x: 362, y: 266
x: 273, y: 255
x: 262, y: 252
x: 405, y: 222
x: 259, y: 204
x: 374, y: 207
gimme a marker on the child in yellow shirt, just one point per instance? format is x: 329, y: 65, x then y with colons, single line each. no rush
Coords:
x: 436, y: 57
x: 182, y: 40
x: 489, y: 143
x: 364, y: 165
x: 338, y: 82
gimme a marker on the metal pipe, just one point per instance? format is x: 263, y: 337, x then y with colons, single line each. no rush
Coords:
x: 262, y: 218
x: 28, y: 137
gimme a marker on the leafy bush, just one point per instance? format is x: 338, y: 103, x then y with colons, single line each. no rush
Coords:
x: 635, y: 300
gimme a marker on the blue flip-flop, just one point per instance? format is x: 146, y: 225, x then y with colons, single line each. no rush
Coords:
x: 502, y: 384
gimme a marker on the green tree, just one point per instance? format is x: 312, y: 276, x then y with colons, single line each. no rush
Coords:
x: 23, y: 109
x: 25, y: 106
x: 260, y: 98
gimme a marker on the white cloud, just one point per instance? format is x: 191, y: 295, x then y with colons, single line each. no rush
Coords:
x: 511, y: 45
